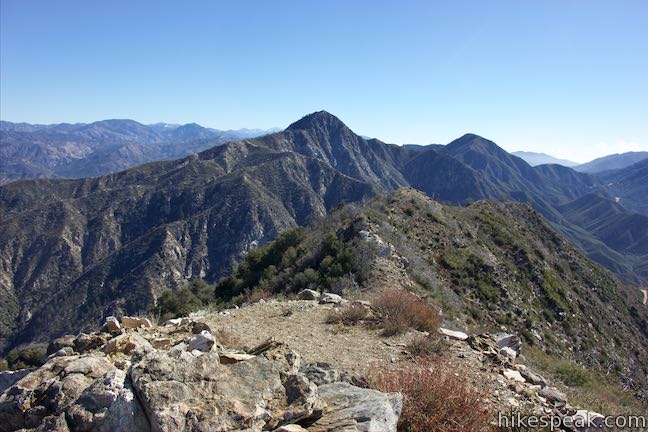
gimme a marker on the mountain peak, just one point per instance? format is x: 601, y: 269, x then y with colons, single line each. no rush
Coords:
x: 475, y: 142
x: 318, y: 120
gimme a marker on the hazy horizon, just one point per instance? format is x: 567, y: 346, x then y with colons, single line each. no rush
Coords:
x: 562, y: 78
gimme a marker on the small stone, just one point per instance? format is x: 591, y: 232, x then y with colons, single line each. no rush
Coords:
x: 162, y: 343
x: 127, y: 343
x: 135, y: 322
x: 177, y: 321
x: 508, y: 352
x: 586, y: 420
x: 330, y: 298
x: 59, y: 343
x: 87, y: 342
x: 111, y: 325
x: 63, y: 352
x: 122, y: 364
x: 231, y: 358
x: 308, y: 294
x: 508, y: 340
x: 453, y: 334
x: 533, y: 378
x: 552, y: 394
x: 204, y: 341
x: 513, y: 375
x: 199, y: 327
x: 291, y: 428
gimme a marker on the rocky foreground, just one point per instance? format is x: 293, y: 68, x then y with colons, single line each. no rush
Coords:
x: 184, y: 376
x: 133, y: 376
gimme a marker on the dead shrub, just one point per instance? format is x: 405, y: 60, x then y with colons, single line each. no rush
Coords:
x: 348, y: 315
x: 400, y: 309
x: 256, y: 295
x: 434, y: 399
x: 227, y: 338
x: 423, y: 346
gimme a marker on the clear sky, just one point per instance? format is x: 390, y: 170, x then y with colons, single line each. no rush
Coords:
x: 568, y: 77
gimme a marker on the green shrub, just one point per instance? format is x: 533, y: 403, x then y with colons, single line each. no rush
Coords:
x: 31, y: 356
x: 572, y: 375
x: 183, y: 301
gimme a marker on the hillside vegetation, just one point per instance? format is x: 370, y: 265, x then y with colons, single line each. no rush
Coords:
x: 493, y: 266
x: 74, y: 251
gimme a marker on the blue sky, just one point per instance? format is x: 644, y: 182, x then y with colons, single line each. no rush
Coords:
x: 569, y: 78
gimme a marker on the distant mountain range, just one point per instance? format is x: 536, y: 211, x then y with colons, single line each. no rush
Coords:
x: 72, y: 251
x: 535, y: 159
x: 86, y: 150
x: 612, y: 162
x: 628, y: 186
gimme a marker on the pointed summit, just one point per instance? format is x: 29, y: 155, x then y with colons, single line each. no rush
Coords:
x: 318, y: 120
x: 472, y: 141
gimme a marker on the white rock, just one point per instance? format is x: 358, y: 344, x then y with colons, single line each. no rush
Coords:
x: 230, y: 358
x: 513, y: 375
x: 330, y: 298
x: 136, y: 322
x: 453, y: 334
x: 584, y: 420
x: 508, y: 352
x: 177, y: 321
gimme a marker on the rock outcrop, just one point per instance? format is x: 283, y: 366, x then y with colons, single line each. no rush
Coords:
x: 138, y: 377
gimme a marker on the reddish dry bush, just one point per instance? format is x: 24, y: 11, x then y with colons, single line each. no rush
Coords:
x: 400, y: 309
x: 434, y: 400
x: 256, y: 295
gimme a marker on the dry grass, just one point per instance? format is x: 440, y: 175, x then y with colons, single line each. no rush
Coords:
x: 424, y: 346
x: 588, y: 388
x: 348, y: 315
x: 400, y: 309
x: 434, y: 399
x: 228, y: 339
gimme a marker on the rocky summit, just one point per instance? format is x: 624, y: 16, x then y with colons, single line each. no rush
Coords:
x: 168, y: 378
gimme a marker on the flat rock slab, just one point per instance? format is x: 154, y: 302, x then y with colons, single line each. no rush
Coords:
x: 453, y: 334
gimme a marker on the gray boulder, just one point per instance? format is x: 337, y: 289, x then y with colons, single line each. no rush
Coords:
x: 553, y: 395
x: 330, y: 298
x: 350, y: 408
x: 509, y: 345
x: 111, y: 325
x: 308, y: 294
x: 58, y: 343
x: 50, y: 390
x: 203, y: 341
x: 198, y: 393
x: 107, y: 405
